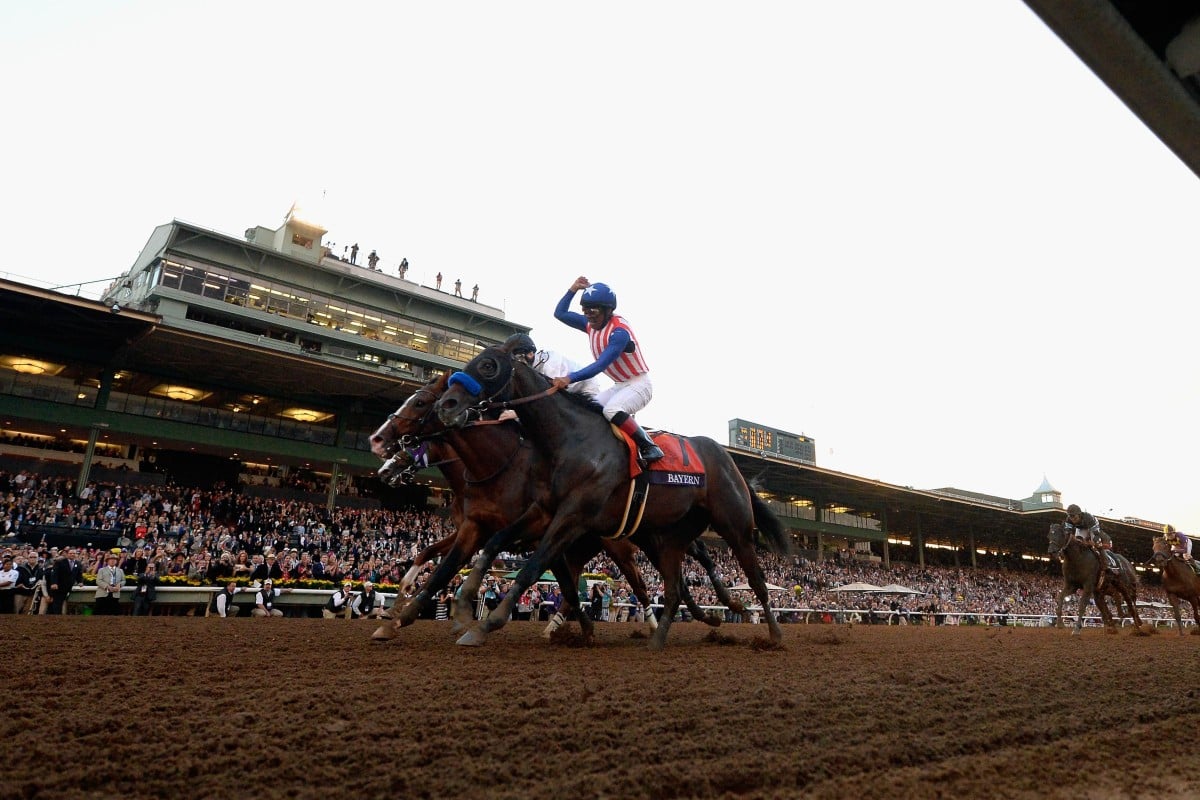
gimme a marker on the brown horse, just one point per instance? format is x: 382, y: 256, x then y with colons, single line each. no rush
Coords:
x: 1081, y: 569
x: 588, y: 493
x: 493, y: 471
x: 1179, y: 581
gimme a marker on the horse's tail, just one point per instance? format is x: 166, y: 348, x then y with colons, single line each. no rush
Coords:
x: 771, y: 531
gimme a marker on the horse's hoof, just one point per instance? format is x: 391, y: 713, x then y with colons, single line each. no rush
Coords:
x: 456, y: 627
x: 712, y: 620
x: 384, y: 633
x: 1076, y: 633
x: 472, y: 638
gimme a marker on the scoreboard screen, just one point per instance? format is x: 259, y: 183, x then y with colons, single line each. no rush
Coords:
x: 753, y: 436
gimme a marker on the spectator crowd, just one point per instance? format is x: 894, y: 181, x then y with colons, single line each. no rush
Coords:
x: 214, y: 535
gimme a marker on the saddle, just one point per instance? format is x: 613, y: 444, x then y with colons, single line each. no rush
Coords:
x: 679, y: 466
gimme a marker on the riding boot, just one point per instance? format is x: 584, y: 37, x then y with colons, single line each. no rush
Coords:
x: 1103, y: 568
x: 647, y: 450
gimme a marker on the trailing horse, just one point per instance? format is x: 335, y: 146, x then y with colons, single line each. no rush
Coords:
x: 1179, y: 581
x: 1081, y: 569
x: 494, y: 474
x: 589, y: 493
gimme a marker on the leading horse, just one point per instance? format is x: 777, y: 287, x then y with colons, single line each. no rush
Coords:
x: 1081, y: 569
x: 589, y: 493
x: 1179, y: 581
x: 493, y: 473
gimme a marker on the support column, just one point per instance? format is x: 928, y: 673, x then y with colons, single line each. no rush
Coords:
x: 971, y: 546
x: 920, y: 541
x: 85, y: 469
x: 102, y: 395
x: 334, y: 474
x: 887, y: 548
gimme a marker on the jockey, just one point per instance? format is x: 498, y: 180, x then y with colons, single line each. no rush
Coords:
x: 551, y: 364
x: 1086, y: 528
x: 1181, y: 544
x: 617, y: 355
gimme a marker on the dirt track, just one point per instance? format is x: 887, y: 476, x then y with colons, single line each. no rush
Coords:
x: 264, y: 708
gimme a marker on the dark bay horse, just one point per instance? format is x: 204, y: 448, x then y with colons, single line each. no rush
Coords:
x: 1179, y: 581
x: 588, y: 493
x: 493, y: 472
x: 1081, y: 569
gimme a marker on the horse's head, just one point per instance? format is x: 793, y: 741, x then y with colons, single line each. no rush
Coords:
x: 1162, y: 552
x: 410, y: 420
x: 486, y: 377
x: 1058, y: 540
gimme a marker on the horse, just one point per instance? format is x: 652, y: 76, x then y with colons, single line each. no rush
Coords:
x: 502, y: 501
x: 589, y: 488
x: 1081, y: 569
x: 1179, y: 581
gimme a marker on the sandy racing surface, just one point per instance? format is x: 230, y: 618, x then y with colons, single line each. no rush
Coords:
x: 264, y: 708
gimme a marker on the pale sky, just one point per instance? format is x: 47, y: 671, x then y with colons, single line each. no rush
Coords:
x: 924, y: 234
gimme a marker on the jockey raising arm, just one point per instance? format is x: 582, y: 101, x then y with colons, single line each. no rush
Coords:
x: 617, y: 353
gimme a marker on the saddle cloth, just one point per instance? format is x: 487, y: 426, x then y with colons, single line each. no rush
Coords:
x: 679, y: 466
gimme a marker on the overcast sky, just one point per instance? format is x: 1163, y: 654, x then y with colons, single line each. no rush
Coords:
x: 924, y: 234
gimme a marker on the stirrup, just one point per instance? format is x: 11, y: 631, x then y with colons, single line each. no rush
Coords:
x: 650, y: 452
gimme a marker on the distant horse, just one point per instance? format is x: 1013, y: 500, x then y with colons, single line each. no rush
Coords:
x: 1179, y: 581
x: 493, y: 473
x: 589, y: 492
x: 1081, y: 569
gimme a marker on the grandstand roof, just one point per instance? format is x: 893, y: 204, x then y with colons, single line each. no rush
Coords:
x: 1125, y: 43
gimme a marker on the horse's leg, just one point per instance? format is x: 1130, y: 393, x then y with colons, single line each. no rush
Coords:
x: 568, y: 575
x: 546, y: 552
x: 1084, y: 596
x: 1195, y: 602
x: 670, y: 563
x: 1130, y: 595
x: 743, y: 549
x: 698, y: 551
x: 622, y: 553
x: 1062, y: 596
x: 1175, y: 610
x: 1106, y: 616
x: 408, y: 582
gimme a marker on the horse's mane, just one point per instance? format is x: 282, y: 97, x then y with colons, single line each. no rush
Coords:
x: 581, y: 400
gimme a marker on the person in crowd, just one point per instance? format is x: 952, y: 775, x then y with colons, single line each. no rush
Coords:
x: 339, y: 603
x: 65, y: 573
x: 368, y: 604
x: 269, y: 568
x: 10, y: 578
x: 145, y: 591
x: 596, y: 602
x: 109, y: 580
x: 1086, y: 528
x: 223, y: 605
x: 137, y: 562
x: 458, y: 287
x: 26, y: 583
x: 265, y: 600
x: 241, y: 565
x: 475, y: 293
x: 438, y: 279
x: 618, y: 354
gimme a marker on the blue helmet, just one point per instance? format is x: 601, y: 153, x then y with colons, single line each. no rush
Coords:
x: 598, y: 294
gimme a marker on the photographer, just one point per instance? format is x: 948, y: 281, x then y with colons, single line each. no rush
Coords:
x: 368, y: 604
x: 339, y: 603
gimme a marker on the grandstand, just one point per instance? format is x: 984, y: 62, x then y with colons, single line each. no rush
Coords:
x: 265, y: 361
